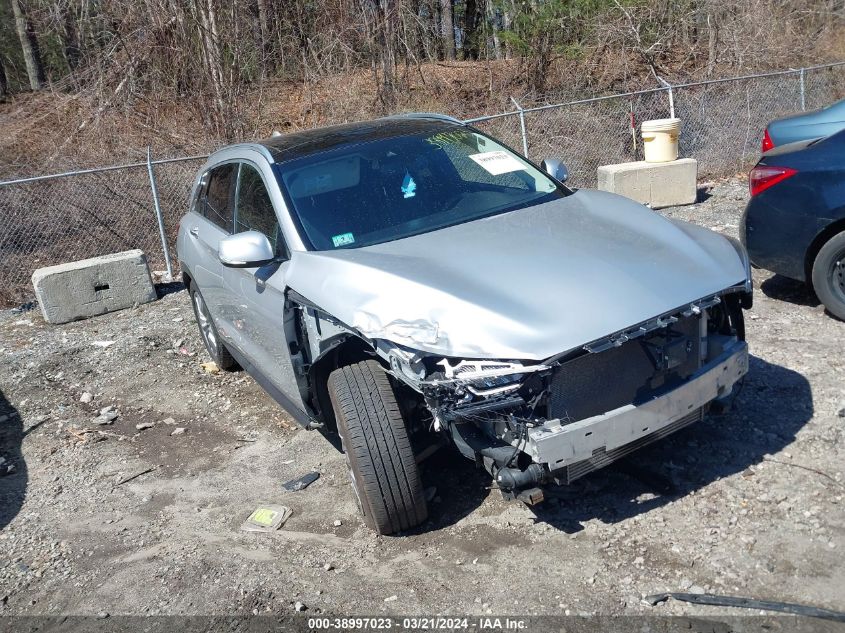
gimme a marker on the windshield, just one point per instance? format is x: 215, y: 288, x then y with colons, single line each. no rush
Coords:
x: 388, y: 189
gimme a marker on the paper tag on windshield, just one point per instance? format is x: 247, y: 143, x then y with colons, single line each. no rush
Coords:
x: 497, y: 162
x: 343, y: 239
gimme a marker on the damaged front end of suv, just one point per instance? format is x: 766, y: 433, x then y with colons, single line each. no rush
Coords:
x: 412, y: 278
x: 535, y: 423
x: 542, y: 345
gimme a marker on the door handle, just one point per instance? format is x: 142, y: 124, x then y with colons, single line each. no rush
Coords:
x: 195, y: 231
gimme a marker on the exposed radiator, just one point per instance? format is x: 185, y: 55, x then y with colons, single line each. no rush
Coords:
x: 593, y: 384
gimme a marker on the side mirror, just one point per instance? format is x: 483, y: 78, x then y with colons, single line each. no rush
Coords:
x: 249, y: 249
x: 556, y: 169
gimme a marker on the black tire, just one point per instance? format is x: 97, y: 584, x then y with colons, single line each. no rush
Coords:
x: 378, y: 451
x: 216, y: 349
x: 829, y: 275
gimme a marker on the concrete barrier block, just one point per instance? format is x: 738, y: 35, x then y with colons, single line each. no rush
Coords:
x: 656, y: 184
x: 79, y: 290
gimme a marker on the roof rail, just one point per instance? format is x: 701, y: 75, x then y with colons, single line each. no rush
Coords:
x: 426, y: 115
x: 256, y: 147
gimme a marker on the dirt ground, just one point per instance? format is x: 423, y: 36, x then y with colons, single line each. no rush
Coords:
x: 749, y: 503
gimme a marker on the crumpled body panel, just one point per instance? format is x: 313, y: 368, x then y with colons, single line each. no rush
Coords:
x: 527, y: 284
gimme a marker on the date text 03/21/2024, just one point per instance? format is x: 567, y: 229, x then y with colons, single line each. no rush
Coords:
x: 419, y: 623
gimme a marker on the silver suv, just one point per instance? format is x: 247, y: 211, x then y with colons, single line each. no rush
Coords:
x: 411, y: 279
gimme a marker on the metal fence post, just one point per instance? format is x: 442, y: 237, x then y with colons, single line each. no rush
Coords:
x: 801, y: 79
x: 164, y: 247
x: 522, y: 126
x: 666, y: 84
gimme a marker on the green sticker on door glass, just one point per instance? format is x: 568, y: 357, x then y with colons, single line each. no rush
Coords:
x: 343, y: 239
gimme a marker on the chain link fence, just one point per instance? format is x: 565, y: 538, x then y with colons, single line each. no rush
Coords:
x: 722, y: 121
x: 53, y: 219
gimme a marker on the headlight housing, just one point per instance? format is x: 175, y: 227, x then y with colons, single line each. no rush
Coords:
x: 486, y: 378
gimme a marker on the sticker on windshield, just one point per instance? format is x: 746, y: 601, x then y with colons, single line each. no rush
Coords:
x: 343, y: 239
x: 409, y: 187
x: 497, y: 162
x: 444, y: 139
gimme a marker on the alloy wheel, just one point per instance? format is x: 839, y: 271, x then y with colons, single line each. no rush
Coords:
x: 837, y: 276
x: 205, y: 324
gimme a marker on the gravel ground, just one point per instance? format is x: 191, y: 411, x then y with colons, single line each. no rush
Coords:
x: 748, y: 503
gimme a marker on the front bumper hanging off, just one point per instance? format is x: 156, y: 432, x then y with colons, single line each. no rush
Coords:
x: 571, y: 450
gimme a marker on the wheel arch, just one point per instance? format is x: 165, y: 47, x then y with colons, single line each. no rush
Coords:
x: 187, y: 278
x: 834, y: 228
x: 340, y: 351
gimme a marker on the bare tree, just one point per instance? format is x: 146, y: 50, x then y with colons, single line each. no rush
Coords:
x: 387, y: 45
x: 212, y: 55
x: 4, y: 84
x: 447, y: 28
x: 219, y: 60
x: 493, y: 15
x: 70, y: 37
x: 264, y: 35
x: 473, y: 28
x: 29, y: 46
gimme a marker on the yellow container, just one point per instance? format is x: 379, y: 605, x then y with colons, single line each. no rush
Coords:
x: 660, y: 140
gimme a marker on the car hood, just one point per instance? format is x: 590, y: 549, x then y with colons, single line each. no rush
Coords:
x: 527, y: 284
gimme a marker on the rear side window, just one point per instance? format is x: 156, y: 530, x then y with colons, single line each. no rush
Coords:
x: 254, y: 211
x: 220, y: 194
x: 198, y: 198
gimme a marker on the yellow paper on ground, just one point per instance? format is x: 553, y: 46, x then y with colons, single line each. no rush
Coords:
x: 266, y: 519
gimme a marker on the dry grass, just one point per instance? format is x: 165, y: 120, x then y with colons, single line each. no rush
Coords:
x: 54, y: 130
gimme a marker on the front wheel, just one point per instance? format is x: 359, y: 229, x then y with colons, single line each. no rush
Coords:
x: 378, y: 450
x: 216, y: 349
x: 829, y: 275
